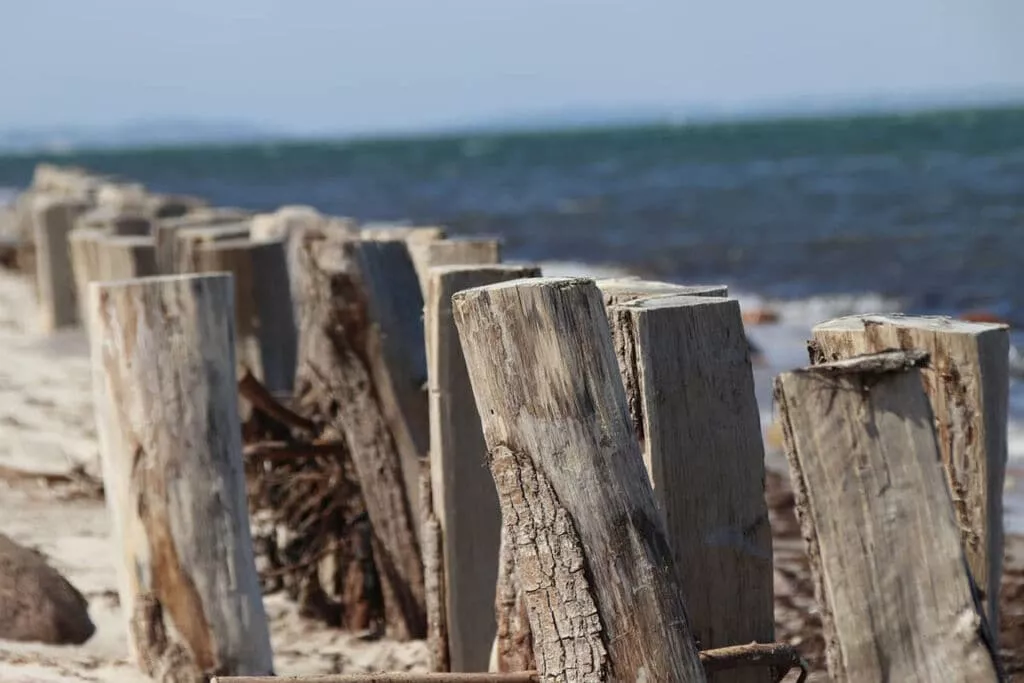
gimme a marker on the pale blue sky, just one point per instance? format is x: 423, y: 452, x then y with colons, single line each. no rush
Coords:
x: 347, y: 65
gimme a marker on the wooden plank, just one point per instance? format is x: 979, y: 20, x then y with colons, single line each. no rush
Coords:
x: 700, y: 433
x: 167, y: 419
x: 590, y: 546
x: 83, y: 245
x: 52, y: 221
x: 465, y: 500
x: 967, y: 384
x: 265, y: 331
x: 351, y: 373
x: 526, y: 677
x: 891, y: 580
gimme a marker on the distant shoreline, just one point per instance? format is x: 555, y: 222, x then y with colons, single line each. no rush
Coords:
x: 67, y: 142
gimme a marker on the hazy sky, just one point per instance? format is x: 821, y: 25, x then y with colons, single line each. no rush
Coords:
x: 342, y: 65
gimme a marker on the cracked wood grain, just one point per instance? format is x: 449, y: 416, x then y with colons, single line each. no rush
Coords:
x: 967, y: 383
x: 590, y: 547
x: 890, y: 576
x: 167, y: 418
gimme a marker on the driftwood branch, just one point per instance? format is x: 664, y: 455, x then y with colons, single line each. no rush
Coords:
x: 278, y: 450
x: 252, y: 390
x: 777, y: 656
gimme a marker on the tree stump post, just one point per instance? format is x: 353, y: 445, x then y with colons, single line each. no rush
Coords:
x: 265, y: 331
x: 890, y: 576
x: 465, y: 501
x: 52, y: 221
x: 599, y: 579
x: 358, y: 366
x: 167, y: 418
x: 691, y: 386
x: 967, y: 383
x: 188, y: 242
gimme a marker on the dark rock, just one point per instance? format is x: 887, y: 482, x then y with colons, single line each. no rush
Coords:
x: 36, y: 602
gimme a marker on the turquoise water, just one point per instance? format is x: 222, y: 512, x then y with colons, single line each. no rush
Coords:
x: 927, y: 207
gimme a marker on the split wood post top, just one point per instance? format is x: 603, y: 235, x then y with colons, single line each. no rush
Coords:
x: 264, y: 317
x: 590, y: 546
x: 53, y: 219
x: 967, y: 383
x: 360, y: 305
x: 891, y: 580
x: 700, y: 432
x: 465, y: 500
x: 167, y: 418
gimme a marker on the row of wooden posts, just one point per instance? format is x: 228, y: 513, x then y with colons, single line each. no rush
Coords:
x: 579, y: 492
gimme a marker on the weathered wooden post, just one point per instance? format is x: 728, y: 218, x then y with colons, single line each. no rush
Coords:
x: 690, y: 389
x: 455, y: 253
x: 967, y: 383
x: 83, y: 244
x: 362, y: 364
x: 167, y: 417
x: 590, y: 546
x: 891, y: 580
x: 52, y: 220
x: 124, y: 258
x: 418, y: 240
x: 164, y: 231
x: 188, y: 242
x: 465, y: 501
x: 265, y: 332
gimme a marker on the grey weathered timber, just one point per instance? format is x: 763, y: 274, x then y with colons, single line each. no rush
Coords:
x: 83, y: 245
x: 418, y: 240
x: 356, y: 296
x: 455, y: 253
x: 164, y: 231
x: 890, y: 576
x: 123, y: 258
x: 967, y: 383
x: 265, y: 330
x: 465, y: 500
x: 623, y: 290
x: 188, y: 242
x: 52, y: 221
x: 591, y: 551
x: 700, y: 433
x: 112, y: 221
x: 167, y: 418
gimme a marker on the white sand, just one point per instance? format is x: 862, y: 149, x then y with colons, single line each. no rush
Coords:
x: 46, y: 425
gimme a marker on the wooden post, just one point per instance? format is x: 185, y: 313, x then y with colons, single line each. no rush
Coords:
x: 53, y: 219
x: 418, y: 240
x: 361, y: 307
x: 264, y: 318
x: 692, y: 385
x: 164, y: 231
x: 83, y: 244
x: 455, y: 253
x: 167, y: 418
x: 188, y: 242
x: 891, y: 580
x: 590, y: 546
x: 123, y: 258
x: 967, y: 383
x: 465, y: 501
